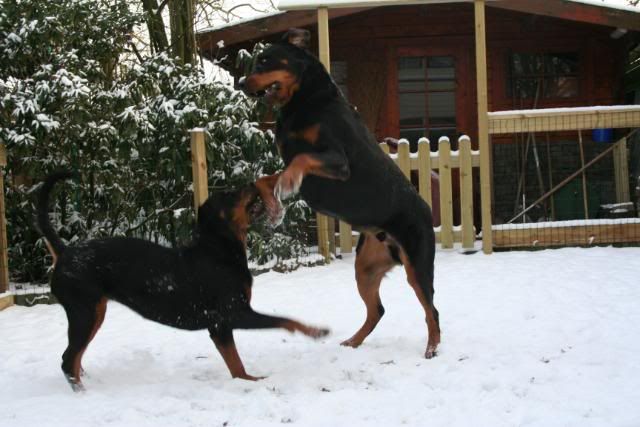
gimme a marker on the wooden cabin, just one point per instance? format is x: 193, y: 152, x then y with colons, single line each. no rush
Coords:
x: 411, y: 71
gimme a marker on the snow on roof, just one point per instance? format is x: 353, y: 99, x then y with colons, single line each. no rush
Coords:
x: 313, y: 4
x: 242, y: 21
x: 609, y: 5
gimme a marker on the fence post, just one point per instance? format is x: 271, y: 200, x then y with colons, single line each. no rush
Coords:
x: 466, y: 192
x: 446, y: 200
x: 331, y: 230
x: 4, y: 245
x: 346, y: 244
x: 483, y: 125
x: 404, y: 160
x: 199, y: 168
x: 621, y: 171
x: 424, y: 169
x: 324, y: 56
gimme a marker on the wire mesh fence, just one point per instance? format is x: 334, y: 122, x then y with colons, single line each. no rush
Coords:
x: 573, y: 188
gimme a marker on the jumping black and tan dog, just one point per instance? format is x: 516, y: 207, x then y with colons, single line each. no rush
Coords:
x: 333, y: 161
x: 206, y: 285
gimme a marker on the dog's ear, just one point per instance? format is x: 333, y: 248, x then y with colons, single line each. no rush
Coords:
x: 297, y: 37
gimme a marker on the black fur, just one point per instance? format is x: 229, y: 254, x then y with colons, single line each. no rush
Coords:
x: 205, y: 285
x: 356, y: 182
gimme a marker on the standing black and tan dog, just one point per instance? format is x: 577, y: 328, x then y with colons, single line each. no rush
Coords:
x: 206, y: 285
x: 333, y: 161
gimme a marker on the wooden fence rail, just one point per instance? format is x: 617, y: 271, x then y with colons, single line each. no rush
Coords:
x: 443, y: 161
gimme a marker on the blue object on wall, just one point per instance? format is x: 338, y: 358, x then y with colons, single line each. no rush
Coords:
x: 602, y: 135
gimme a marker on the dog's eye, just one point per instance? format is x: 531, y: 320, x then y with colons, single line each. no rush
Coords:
x: 263, y: 61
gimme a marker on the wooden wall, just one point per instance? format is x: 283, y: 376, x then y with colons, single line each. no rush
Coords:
x: 448, y: 29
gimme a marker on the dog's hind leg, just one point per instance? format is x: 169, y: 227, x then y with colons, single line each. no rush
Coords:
x: 84, y: 319
x: 101, y: 310
x: 374, y: 258
x: 227, y: 347
x: 418, y: 256
x: 249, y: 319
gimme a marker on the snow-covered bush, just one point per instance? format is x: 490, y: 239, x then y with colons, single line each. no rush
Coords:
x: 67, y: 100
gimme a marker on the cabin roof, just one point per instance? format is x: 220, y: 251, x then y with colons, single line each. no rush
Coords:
x: 301, y: 13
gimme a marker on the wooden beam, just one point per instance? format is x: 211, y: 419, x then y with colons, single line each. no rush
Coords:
x: 261, y: 28
x: 345, y: 236
x: 563, y: 119
x: 446, y: 193
x: 466, y: 193
x: 325, y: 58
x: 483, y: 125
x: 3, y: 155
x: 4, y: 243
x: 6, y: 300
x: 592, y: 233
x: 585, y: 199
x: 621, y: 171
x: 424, y: 170
x: 199, y: 168
x: 404, y: 161
x: 573, y: 11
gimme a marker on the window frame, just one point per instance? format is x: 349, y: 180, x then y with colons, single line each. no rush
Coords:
x: 543, y: 75
x: 459, y: 53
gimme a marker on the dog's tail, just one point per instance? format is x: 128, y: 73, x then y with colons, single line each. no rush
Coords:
x: 54, y: 243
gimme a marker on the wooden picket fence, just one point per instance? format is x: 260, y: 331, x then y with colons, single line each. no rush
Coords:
x: 443, y: 161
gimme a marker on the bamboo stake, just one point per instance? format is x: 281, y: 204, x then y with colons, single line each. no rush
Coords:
x: 585, y: 200
x: 570, y: 177
x: 553, y: 206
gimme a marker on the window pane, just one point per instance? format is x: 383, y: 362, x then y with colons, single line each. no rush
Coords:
x: 412, y: 108
x: 440, y: 62
x: 526, y: 64
x: 561, y: 63
x: 526, y: 88
x: 449, y: 85
x: 549, y: 75
x: 441, y: 68
x: 560, y: 87
x: 412, y: 135
x: 436, y: 133
x: 412, y: 86
x: 411, y: 68
x: 442, y: 108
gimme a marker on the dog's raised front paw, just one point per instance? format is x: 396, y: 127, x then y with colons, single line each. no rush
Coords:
x: 275, y: 211
x: 288, y: 184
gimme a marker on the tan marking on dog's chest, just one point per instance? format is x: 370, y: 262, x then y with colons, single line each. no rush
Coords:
x: 310, y: 134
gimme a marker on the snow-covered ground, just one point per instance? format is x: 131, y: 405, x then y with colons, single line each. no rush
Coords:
x: 548, y: 338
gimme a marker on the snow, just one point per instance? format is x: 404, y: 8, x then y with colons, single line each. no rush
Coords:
x: 312, y: 4
x: 569, y: 223
x: 546, y: 338
x: 570, y: 110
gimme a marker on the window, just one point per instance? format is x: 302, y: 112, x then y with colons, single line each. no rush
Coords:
x: 427, y: 98
x: 339, y: 75
x: 549, y: 75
